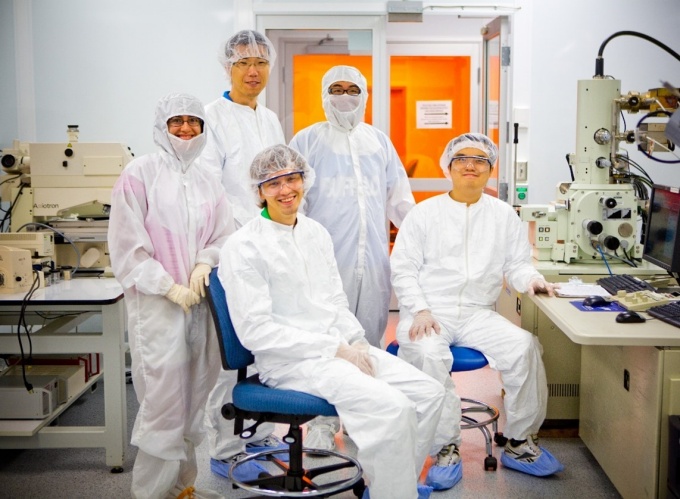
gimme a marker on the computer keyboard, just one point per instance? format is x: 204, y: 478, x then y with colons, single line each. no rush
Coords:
x: 639, y: 301
x: 624, y: 282
x: 669, y: 313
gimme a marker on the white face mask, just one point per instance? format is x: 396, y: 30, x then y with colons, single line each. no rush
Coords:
x: 345, y: 103
x: 187, y: 150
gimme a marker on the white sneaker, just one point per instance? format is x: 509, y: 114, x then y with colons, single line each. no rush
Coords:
x: 320, y: 436
x: 523, y: 450
x: 448, y: 456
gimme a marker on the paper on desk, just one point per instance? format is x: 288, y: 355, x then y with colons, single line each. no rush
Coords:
x: 569, y: 290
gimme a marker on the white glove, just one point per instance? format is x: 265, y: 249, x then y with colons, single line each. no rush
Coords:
x: 423, y: 324
x: 358, y: 355
x: 539, y: 285
x: 200, y: 278
x: 183, y: 296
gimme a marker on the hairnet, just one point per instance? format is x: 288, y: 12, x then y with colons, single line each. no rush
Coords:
x: 246, y: 43
x: 275, y: 159
x: 344, y: 119
x: 476, y: 140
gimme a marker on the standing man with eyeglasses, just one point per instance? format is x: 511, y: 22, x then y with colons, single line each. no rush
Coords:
x: 360, y: 185
x: 239, y: 128
x: 451, y: 255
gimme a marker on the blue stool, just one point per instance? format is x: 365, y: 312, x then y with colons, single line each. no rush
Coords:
x: 467, y: 359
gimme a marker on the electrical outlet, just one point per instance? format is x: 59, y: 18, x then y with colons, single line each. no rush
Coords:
x: 626, y: 379
x: 521, y: 174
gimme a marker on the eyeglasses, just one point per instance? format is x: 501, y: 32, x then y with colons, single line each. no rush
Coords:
x: 338, y: 90
x: 244, y: 64
x: 274, y: 185
x: 480, y: 163
x: 178, y: 121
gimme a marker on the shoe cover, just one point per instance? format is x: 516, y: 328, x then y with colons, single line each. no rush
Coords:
x: 261, y: 446
x: 244, y: 473
x: 424, y: 492
x: 444, y: 477
x: 545, y: 465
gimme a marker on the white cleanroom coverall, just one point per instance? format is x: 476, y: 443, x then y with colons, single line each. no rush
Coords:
x: 451, y: 259
x: 360, y: 184
x: 237, y: 133
x: 288, y: 307
x: 168, y: 216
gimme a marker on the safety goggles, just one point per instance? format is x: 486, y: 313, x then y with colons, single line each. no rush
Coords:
x: 274, y: 185
x: 178, y: 121
x: 480, y: 163
x: 338, y: 90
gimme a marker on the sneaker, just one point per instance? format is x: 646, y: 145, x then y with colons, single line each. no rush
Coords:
x: 268, y: 443
x: 448, y: 456
x: 320, y: 436
x: 526, y: 451
x: 249, y: 471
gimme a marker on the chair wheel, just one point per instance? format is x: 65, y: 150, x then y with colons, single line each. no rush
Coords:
x: 500, y: 439
x: 490, y: 463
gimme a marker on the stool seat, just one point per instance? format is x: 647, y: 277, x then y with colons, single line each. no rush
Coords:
x: 464, y: 358
x: 469, y: 359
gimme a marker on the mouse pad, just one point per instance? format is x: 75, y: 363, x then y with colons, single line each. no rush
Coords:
x: 610, y: 307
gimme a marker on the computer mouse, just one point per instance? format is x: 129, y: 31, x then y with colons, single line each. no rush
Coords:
x: 595, y: 301
x: 629, y: 317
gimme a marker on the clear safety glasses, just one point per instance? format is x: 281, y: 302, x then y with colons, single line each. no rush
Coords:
x: 178, y: 121
x: 338, y: 90
x: 274, y: 185
x: 258, y: 64
x: 480, y: 163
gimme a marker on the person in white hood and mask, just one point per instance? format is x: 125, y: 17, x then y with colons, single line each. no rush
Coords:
x: 451, y: 257
x: 168, y: 221
x: 360, y: 183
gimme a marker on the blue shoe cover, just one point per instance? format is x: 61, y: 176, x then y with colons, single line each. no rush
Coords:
x: 545, y: 465
x: 423, y: 492
x: 244, y: 473
x: 444, y: 477
x: 261, y: 446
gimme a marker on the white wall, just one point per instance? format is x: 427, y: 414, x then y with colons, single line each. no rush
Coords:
x: 556, y: 43
x: 103, y: 65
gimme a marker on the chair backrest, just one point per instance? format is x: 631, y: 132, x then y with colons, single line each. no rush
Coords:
x: 234, y: 355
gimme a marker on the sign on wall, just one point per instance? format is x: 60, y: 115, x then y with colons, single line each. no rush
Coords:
x: 434, y: 114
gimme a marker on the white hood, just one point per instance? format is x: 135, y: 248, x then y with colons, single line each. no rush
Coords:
x: 335, y: 105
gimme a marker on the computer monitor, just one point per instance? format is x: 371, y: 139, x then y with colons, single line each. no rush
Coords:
x: 662, y: 244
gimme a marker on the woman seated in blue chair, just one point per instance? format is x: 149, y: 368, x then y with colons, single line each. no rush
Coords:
x: 448, y: 264
x: 289, y: 309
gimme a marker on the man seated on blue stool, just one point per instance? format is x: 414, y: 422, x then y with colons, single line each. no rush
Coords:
x: 448, y: 263
x: 289, y: 309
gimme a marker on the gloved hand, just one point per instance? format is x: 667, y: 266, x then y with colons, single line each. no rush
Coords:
x: 357, y: 355
x: 200, y: 278
x: 423, y: 324
x: 183, y: 296
x: 539, y: 285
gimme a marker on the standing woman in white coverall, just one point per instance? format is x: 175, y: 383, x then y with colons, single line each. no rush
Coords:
x: 360, y: 183
x: 168, y: 222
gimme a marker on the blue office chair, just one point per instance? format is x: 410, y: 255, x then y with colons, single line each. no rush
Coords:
x: 467, y: 359
x: 253, y: 400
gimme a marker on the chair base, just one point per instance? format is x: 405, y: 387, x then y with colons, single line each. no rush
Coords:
x: 467, y: 422
x: 297, y: 481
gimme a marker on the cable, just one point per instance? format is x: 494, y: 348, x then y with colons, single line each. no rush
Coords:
x: 62, y: 235
x: 22, y: 322
x: 652, y: 114
x: 8, y: 213
x: 598, y: 248
x: 599, y: 61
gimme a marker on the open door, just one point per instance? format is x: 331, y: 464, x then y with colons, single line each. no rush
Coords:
x: 496, y: 78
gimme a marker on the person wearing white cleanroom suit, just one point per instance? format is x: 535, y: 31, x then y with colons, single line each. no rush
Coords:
x: 168, y: 222
x: 239, y: 127
x: 360, y: 183
x: 448, y: 264
x: 289, y: 309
